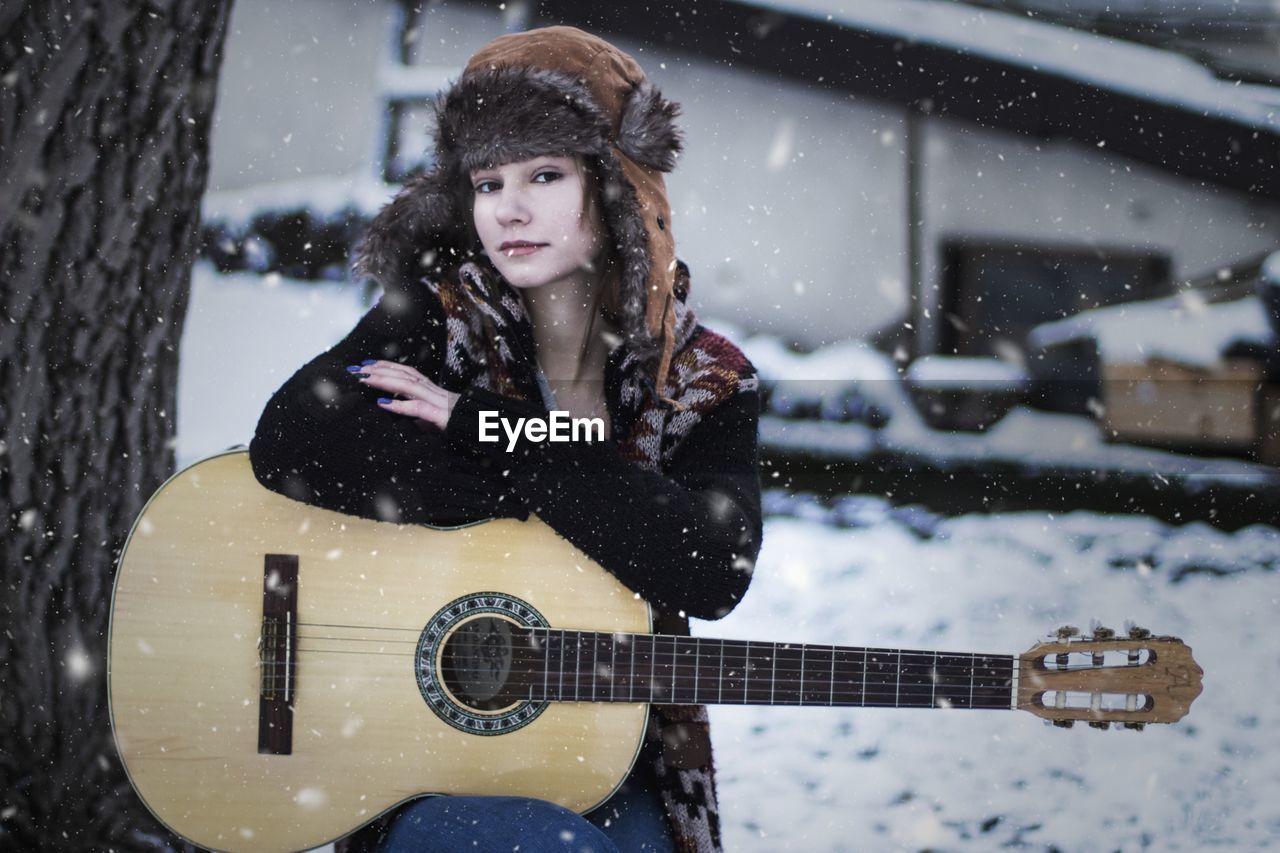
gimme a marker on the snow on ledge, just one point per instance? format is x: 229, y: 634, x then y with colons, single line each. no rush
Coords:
x: 1182, y: 328
x: 1146, y: 72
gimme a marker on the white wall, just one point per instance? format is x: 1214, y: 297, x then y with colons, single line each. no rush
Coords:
x: 295, y: 95
x: 788, y: 203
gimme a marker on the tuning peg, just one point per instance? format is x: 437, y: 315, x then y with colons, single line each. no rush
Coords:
x: 1064, y: 724
x: 1101, y: 633
x: 1066, y: 632
x: 1136, y: 633
x: 1099, y: 724
x: 1137, y: 727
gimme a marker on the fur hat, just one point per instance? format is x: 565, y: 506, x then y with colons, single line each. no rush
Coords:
x: 555, y: 90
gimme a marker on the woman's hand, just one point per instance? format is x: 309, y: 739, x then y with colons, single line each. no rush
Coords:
x: 423, y: 399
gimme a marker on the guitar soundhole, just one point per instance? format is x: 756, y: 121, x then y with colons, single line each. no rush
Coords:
x: 469, y: 663
x: 476, y: 663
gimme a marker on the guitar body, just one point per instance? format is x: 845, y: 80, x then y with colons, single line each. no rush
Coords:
x: 187, y: 671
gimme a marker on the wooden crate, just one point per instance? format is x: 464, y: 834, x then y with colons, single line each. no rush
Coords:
x: 1229, y: 408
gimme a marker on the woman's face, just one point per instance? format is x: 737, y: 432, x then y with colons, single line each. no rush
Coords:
x: 530, y: 219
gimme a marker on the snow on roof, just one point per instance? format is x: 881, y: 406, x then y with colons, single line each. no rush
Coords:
x: 1270, y: 271
x: 1030, y: 438
x: 1107, y: 63
x: 949, y: 370
x: 1182, y: 328
x: 323, y: 195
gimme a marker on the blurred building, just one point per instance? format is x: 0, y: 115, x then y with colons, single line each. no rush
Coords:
x: 941, y: 176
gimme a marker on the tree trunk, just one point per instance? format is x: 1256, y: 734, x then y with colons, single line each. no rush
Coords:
x: 105, y: 110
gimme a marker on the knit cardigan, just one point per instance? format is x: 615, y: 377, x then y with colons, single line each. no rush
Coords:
x: 670, y: 503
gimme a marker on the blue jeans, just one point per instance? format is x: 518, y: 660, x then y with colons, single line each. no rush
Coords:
x: 631, y: 820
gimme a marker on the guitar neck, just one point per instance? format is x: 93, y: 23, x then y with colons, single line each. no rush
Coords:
x: 588, y: 666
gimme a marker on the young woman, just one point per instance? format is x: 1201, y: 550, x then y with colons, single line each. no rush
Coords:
x: 532, y: 269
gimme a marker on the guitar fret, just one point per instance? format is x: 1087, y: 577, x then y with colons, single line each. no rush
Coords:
x: 865, y: 654
x: 831, y: 693
x: 720, y: 679
x: 773, y: 676
x: 973, y: 661
x: 800, y: 700
x: 675, y: 665
x: 613, y: 661
x: 933, y: 681
x: 916, y: 679
x: 560, y: 675
x: 631, y: 678
x: 897, y: 684
x: 653, y: 663
x: 816, y: 685
x: 697, y: 654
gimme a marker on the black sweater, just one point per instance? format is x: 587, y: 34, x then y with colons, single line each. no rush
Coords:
x: 685, y: 539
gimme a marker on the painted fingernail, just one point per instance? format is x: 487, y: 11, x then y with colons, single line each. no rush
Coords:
x: 360, y: 375
x: 351, y: 368
x: 383, y: 401
x: 367, y: 362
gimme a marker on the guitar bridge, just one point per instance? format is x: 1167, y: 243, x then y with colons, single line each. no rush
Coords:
x: 278, y: 654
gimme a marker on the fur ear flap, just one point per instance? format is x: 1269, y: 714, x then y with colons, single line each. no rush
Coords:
x: 409, y: 232
x: 648, y: 133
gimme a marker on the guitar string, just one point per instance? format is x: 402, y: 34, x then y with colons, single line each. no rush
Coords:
x: 688, y: 670
x: 972, y: 671
x: 1002, y: 683
x: 587, y: 640
x: 1000, y: 675
x: 658, y: 692
x: 926, y: 660
x: 590, y: 636
x: 952, y: 665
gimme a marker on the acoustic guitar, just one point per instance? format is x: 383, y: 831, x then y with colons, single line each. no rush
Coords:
x: 281, y: 675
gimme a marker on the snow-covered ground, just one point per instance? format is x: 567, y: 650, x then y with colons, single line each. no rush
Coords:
x: 860, y: 572
x: 874, y: 779
x: 245, y: 335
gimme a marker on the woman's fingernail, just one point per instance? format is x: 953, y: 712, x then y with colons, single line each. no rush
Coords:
x: 367, y: 362
x: 383, y: 401
x: 351, y: 368
x: 360, y: 375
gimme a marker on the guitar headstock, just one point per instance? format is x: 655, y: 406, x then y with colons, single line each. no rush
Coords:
x: 1104, y: 678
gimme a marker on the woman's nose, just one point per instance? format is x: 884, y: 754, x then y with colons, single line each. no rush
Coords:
x: 511, y: 206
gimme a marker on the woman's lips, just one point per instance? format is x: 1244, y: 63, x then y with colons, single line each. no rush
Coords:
x: 515, y: 250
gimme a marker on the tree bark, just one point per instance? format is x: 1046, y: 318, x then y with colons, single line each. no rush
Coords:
x: 105, y: 111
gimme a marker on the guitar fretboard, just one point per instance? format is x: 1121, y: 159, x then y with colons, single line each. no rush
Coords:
x: 587, y: 666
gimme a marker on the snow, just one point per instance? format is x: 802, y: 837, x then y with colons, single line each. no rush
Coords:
x: 1182, y: 328
x: 856, y: 779
x: 858, y: 571
x: 1271, y: 269
x: 325, y: 196
x: 245, y: 335
x: 1025, y: 436
x: 1108, y: 63
x: 950, y: 370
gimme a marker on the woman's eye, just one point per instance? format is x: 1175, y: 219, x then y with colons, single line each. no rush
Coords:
x: 549, y: 175
x: 482, y: 187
